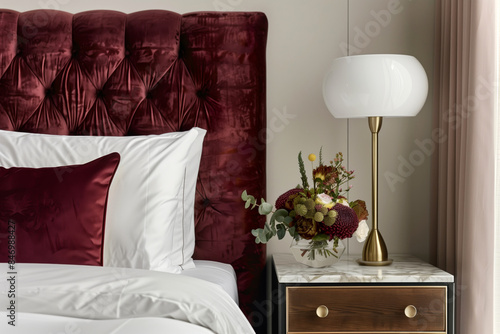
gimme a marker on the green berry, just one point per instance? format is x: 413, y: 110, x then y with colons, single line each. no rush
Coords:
x: 301, y: 209
x: 329, y: 221
x: 310, y: 204
x: 332, y: 214
x: 318, y: 217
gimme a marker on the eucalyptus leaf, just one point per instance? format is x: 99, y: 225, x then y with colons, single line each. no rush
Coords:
x: 269, y: 236
x: 253, y: 201
x: 262, y: 236
x: 279, y: 216
x: 244, y: 195
x: 273, y: 229
x: 266, y: 228
x: 265, y: 208
x: 255, y: 232
x: 270, y: 230
x: 281, y: 231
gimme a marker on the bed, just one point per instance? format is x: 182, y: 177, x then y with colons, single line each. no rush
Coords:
x: 125, y: 143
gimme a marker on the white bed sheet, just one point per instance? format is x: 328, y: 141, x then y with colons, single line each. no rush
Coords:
x: 50, y: 324
x: 219, y: 273
x: 52, y: 294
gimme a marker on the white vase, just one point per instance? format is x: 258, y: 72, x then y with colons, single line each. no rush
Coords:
x: 317, y: 254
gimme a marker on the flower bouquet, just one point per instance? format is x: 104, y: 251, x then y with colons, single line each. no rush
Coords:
x: 317, y: 216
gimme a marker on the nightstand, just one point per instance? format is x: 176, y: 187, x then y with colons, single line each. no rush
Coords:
x: 409, y: 296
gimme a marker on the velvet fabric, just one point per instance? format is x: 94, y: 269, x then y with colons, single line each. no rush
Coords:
x: 151, y: 72
x: 56, y: 214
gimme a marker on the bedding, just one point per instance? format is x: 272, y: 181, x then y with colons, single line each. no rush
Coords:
x: 103, y: 293
x: 150, y: 222
x: 36, y: 323
x: 110, y: 74
x: 218, y: 273
x: 57, y: 215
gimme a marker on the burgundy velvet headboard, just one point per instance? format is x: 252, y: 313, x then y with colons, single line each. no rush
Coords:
x: 115, y: 74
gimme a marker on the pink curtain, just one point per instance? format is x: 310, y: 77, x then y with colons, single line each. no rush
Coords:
x: 462, y: 236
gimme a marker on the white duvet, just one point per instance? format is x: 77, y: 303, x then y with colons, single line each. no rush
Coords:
x: 68, y: 299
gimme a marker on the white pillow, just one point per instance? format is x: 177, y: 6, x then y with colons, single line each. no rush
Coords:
x: 150, y: 212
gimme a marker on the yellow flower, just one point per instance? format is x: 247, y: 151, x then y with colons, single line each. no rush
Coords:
x: 320, y: 176
x: 323, y: 172
x: 311, y: 157
x: 342, y: 201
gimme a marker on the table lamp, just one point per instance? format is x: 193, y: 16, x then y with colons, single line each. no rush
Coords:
x: 375, y: 86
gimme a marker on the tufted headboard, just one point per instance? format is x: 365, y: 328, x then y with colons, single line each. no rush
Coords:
x: 115, y: 74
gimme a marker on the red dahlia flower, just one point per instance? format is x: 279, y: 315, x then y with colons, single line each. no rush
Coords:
x: 345, y: 224
x: 285, y: 201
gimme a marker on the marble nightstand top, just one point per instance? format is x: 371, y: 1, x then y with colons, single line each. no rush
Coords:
x: 404, y: 269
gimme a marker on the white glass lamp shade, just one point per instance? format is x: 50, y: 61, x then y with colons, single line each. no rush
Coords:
x: 375, y: 85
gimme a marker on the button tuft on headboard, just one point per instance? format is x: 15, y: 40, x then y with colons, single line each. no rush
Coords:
x: 49, y: 91
x: 206, y: 202
x: 202, y: 93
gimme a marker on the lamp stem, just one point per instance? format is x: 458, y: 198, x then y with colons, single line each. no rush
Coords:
x: 375, y: 124
x: 374, y: 250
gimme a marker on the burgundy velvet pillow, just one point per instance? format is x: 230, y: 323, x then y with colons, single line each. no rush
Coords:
x: 59, y: 212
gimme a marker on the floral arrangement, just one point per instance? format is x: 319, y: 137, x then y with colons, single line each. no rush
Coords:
x: 318, y: 212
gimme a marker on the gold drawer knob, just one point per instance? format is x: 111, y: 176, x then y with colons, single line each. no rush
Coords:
x: 410, y: 311
x: 322, y: 311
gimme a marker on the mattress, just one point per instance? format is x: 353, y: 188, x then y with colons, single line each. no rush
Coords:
x: 218, y: 273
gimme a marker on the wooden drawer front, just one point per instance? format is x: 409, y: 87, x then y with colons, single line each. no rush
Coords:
x: 366, y: 309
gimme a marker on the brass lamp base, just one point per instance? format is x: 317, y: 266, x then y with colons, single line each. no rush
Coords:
x: 375, y: 251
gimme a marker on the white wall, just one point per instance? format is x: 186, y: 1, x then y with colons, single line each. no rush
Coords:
x: 304, y: 36
x: 406, y: 27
